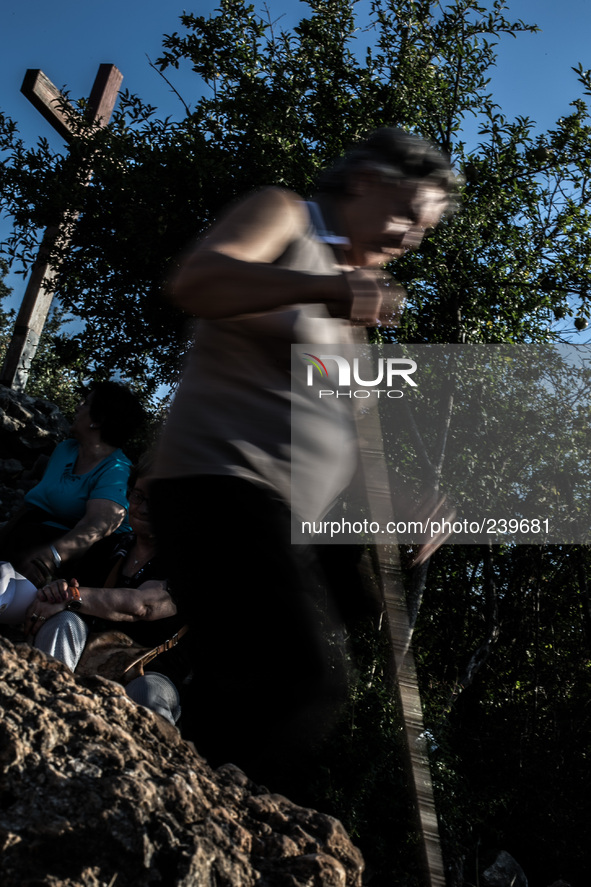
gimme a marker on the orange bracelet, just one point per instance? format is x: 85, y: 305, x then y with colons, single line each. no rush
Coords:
x: 75, y: 601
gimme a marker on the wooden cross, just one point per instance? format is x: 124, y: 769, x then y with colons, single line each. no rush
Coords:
x: 52, y: 104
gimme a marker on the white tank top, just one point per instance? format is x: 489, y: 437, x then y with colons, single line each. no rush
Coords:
x: 232, y: 412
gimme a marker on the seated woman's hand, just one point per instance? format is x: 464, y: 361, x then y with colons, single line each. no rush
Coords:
x: 39, y: 612
x: 55, y: 592
x: 37, y: 566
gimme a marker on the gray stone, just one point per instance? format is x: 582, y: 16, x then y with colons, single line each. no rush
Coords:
x: 29, y: 430
x: 96, y: 791
x: 504, y: 872
x: 10, y: 467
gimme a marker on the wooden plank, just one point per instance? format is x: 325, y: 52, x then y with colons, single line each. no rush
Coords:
x: 104, y: 94
x: 36, y: 303
x: 379, y: 498
x: 31, y: 318
x: 412, y: 716
x: 48, y: 100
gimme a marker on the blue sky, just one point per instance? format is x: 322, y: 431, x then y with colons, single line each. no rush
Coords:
x: 68, y: 39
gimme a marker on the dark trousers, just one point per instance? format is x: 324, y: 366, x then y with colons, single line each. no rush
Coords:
x: 269, y: 671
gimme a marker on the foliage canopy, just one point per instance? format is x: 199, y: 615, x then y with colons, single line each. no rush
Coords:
x: 504, y: 639
x: 274, y: 107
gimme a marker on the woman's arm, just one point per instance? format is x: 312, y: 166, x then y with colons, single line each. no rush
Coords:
x: 230, y: 271
x: 149, y: 602
x: 100, y: 519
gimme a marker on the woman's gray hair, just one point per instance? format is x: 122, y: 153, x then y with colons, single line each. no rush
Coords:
x: 394, y: 154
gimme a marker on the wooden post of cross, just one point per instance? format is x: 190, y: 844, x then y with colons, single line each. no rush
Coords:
x: 51, y: 103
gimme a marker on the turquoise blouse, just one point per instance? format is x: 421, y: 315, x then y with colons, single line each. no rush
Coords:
x: 64, y: 494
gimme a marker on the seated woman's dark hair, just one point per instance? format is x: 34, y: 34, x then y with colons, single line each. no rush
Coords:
x: 117, y: 411
x: 394, y: 154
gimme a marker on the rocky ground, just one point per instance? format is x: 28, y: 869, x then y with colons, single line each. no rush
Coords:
x: 30, y: 427
x: 96, y: 791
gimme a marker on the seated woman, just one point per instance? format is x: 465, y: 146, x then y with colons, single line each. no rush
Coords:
x: 134, y: 599
x: 82, y: 496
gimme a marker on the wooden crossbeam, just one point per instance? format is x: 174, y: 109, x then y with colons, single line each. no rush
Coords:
x: 55, y: 108
x: 48, y: 100
x: 104, y: 94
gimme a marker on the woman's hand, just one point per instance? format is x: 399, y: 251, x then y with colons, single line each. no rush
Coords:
x: 56, y: 592
x: 39, y: 612
x: 38, y: 566
x: 101, y: 518
x: 51, y: 599
x: 368, y: 297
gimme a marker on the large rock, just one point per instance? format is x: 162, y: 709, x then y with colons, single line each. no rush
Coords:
x: 504, y: 872
x: 30, y: 427
x: 97, y: 791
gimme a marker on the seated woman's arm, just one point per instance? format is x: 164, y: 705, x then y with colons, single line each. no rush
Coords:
x: 149, y: 602
x: 100, y: 519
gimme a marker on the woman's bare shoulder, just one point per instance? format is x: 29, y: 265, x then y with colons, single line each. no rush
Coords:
x: 259, y: 227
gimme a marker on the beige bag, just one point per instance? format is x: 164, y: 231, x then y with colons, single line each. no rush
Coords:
x: 115, y: 656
